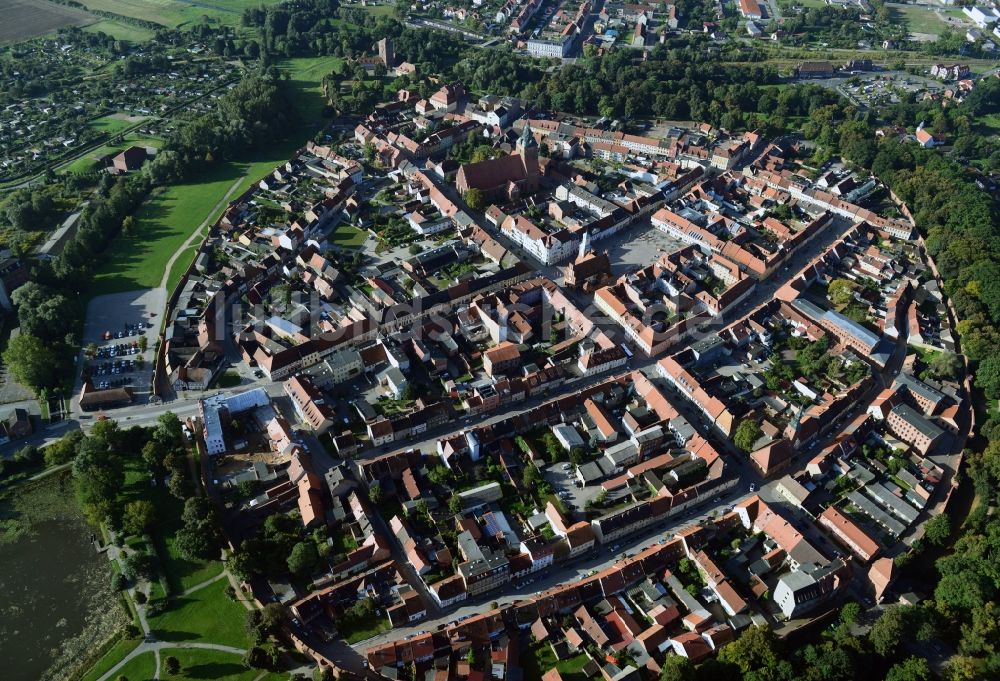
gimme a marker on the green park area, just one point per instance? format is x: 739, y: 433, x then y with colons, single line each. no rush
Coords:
x: 213, y: 665
x: 116, y: 654
x: 163, y: 223
x: 207, y: 615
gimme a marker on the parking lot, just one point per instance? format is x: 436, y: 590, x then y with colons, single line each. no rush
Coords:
x: 115, y: 325
x: 562, y: 477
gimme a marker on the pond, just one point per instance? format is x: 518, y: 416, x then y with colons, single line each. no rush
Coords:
x: 56, y: 602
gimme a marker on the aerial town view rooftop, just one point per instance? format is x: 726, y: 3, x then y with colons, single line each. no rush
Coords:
x: 499, y: 341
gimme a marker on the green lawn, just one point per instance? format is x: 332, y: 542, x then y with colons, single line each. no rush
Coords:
x: 229, y: 379
x: 181, y: 572
x: 306, y: 78
x: 215, y: 665
x: 110, y: 124
x: 347, y: 235
x: 139, y: 668
x: 164, y: 222
x: 120, y: 31
x: 111, y: 658
x: 207, y: 615
x: 925, y: 355
x: 365, y: 630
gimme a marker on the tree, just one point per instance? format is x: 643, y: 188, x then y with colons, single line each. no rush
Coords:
x: 169, y: 430
x: 747, y: 434
x: 475, y: 199
x: 455, y: 504
x: 140, y: 565
x: 172, y: 665
x: 938, y: 529
x: 531, y: 476
x: 987, y: 375
x: 178, y: 484
x: 303, y: 559
x: 754, y: 652
x: 677, y: 668
x: 910, y: 669
x: 887, y: 632
x: 850, y: 613
x: 64, y: 449
x: 841, y: 291
x: 138, y: 517
x: 32, y: 362
x: 98, y: 477
x: 945, y: 365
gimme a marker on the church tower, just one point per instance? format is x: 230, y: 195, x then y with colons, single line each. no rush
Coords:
x: 527, y: 149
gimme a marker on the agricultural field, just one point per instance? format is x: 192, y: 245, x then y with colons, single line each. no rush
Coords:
x: 24, y: 19
x: 178, y: 12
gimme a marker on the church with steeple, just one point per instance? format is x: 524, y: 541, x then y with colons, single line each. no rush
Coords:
x: 506, y: 178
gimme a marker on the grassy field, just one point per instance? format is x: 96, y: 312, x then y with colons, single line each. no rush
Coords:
x: 139, y: 667
x: 365, y: 630
x: 216, y: 665
x: 111, y: 124
x: 207, y: 615
x: 177, y: 12
x: 120, y: 31
x: 306, y: 78
x: 111, y: 658
x: 163, y: 223
x: 919, y: 19
x: 348, y: 235
x: 541, y: 659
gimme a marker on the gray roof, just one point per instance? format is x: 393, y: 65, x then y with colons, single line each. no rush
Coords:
x: 884, y: 496
x: 875, y: 512
x: 918, y: 387
x: 848, y: 326
x: 917, y: 420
